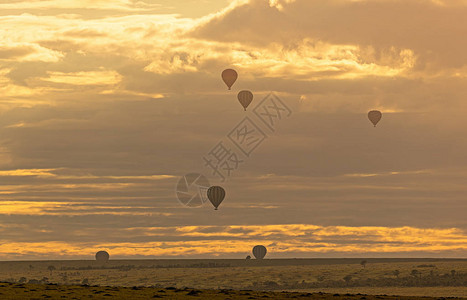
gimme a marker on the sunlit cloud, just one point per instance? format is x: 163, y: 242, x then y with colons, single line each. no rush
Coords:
x: 389, y: 173
x: 73, y: 209
x: 84, y: 78
x: 28, y: 172
x: 99, y: 4
x: 234, y: 240
x: 28, y: 52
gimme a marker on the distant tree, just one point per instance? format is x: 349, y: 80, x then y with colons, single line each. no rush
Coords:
x: 64, y: 277
x: 347, y: 278
x: 320, y: 278
x: 453, y: 273
x: 30, y: 267
x: 396, y: 273
x: 22, y: 280
x: 51, y: 268
x: 85, y: 281
x: 363, y: 263
x: 248, y: 257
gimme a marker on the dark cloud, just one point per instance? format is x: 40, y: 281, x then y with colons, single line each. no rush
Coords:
x: 430, y: 29
x: 15, y: 52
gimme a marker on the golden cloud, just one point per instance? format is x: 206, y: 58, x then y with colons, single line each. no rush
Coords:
x: 296, y: 238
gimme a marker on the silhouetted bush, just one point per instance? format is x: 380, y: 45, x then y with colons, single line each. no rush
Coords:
x: 51, y: 269
x: 347, y: 278
x: 34, y: 281
x: 363, y: 263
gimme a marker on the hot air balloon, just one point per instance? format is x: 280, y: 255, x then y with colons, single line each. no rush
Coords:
x: 216, y: 195
x: 259, y: 251
x: 375, y: 116
x: 229, y: 76
x: 102, y: 256
x: 245, y: 98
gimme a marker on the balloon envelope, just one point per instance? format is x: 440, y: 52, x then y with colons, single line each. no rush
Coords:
x: 102, y: 256
x: 229, y: 76
x: 245, y: 98
x: 375, y: 116
x: 216, y: 195
x: 259, y: 251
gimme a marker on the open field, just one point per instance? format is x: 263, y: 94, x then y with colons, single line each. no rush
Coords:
x: 50, y: 291
x: 418, y: 277
x: 403, y: 291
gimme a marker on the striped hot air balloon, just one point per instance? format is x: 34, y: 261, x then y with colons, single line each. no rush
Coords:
x: 216, y: 195
x: 245, y: 98
x: 259, y: 251
x: 102, y: 256
x: 229, y: 76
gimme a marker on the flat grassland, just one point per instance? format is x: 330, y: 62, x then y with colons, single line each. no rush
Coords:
x: 51, y: 291
x: 410, y: 277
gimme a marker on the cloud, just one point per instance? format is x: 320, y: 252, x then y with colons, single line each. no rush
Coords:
x: 27, y: 172
x: 119, y: 5
x: 379, y: 24
x: 27, y: 52
x: 237, y: 240
x: 84, y: 78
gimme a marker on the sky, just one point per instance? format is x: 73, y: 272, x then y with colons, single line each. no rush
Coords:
x: 106, y: 105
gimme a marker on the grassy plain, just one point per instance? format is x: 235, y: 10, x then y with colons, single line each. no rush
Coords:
x: 31, y: 291
x: 328, y: 275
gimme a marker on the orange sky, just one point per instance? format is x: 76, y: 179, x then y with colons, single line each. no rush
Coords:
x: 105, y: 104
